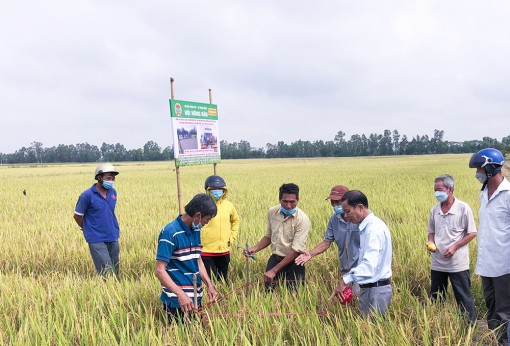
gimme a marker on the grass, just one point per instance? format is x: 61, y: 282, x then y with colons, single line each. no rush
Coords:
x: 50, y: 295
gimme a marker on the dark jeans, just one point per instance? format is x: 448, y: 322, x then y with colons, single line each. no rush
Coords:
x: 105, y: 257
x: 218, y: 265
x: 291, y: 273
x: 496, y: 292
x: 461, y: 285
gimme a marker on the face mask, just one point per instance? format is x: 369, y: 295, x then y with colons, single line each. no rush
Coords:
x: 338, y: 210
x: 197, y: 226
x: 107, y: 184
x: 482, y: 177
x: 441, y: 196
x: 217, y: 193
x: 288, y: 212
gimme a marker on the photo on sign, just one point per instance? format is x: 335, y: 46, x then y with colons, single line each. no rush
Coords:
x: 187, y: 138
x: 208, y: 137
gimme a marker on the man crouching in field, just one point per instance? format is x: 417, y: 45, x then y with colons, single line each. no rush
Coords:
x: 373, y: 272
x: 287, y: 231
x: 178, y: 259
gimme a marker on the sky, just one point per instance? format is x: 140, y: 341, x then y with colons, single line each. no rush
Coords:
x: 99, y: 71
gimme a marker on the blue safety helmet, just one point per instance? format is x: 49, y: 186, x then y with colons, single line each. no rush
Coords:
x: 490, y: 159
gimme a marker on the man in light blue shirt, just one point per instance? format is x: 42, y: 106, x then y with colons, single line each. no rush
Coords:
x: 373, y: 272
x: 493, y: 260
x: 344, y: 234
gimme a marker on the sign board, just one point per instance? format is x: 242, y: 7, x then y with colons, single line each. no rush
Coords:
x: 196, y: 133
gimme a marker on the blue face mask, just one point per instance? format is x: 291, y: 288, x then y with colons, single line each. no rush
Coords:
x: 338, y: 210
x: 217, y: 193
x: 107, y: 184
x: 288, y: 212
x: 197, y: 226
x: 441, y: 196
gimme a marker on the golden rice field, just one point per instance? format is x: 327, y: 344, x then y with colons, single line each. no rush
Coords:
x: 50, y: 295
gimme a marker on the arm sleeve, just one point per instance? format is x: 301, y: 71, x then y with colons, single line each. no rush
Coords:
x: 470, y: 221
x: 431, y: 226
x: 329, y: 237
x: 268, y: 227
x: 301, y: 234
x: 82, y: 204
x: 166, y: 247
x: 234, y: 224
x: 368, y: 264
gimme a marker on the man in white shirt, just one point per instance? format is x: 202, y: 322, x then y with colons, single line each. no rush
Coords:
x: 451, y: 227
x: 373, y: 272
x: 493, y: 261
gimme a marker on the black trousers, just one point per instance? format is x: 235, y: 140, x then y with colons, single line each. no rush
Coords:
x: 461, y: 285
x: 291, y: 273
x: 218, y: 265
x: 496, y: 292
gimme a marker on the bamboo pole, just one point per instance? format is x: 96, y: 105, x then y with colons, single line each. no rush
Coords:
x: 214, y: 164
x: 177, y: 170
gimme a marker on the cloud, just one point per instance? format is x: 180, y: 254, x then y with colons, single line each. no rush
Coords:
x: 99, y: 72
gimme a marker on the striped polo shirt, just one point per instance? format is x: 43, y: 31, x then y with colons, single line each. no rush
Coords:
x: 180, y: 248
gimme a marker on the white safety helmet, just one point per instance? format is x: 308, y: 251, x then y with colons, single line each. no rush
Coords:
x: 105, y: 168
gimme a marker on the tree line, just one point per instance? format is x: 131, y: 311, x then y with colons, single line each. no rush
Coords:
x: 387, y: 143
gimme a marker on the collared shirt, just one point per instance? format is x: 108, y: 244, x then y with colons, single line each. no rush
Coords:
x: 494, y: 232
x: 374, y: 261
x: 287, y: 232
x: 449, y: 228
x: 180, y: 248
x: 99, y: 220
x: 346, y: 237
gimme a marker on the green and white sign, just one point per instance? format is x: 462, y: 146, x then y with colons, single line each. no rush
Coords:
x: 196, y: 133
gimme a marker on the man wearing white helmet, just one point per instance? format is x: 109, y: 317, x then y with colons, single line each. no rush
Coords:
x: 493, y: 261
x: 95, y: 214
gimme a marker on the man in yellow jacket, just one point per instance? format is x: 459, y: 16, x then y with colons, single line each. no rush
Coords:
x: 219, y: 234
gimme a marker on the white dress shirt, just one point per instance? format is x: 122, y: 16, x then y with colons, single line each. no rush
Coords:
x: 375, y: 251
x: 494, y: 232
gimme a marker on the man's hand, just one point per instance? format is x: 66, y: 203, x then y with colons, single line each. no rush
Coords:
x: 269, y: 276
x: 251, y: 251
x: 450, y: 251
x: 212, y: 294
x: 185, y: 302
x: 430, y: 246
x: 303, y: 258
x: 339, y: 291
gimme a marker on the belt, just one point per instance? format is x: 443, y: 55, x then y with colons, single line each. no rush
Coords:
x: 379, y: 283
x: 278, y: 257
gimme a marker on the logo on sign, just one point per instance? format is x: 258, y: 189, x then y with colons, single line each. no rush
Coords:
x: 178, y: 110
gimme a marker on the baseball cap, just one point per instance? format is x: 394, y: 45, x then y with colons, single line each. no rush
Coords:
x: 337, y: 192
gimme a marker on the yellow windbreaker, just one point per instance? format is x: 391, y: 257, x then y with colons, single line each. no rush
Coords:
x: 222, y: 229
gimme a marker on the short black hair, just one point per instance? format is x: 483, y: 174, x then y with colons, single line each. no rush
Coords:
x: 289, y: 188
x: 355, y: 197
x: 203, y: 204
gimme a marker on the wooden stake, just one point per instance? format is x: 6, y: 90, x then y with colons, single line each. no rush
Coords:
x: 247, y: 271
x: 177, y: 171
x: 195, y: 291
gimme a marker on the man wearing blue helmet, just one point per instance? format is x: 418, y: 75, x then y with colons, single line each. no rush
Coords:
x: 493, y: 262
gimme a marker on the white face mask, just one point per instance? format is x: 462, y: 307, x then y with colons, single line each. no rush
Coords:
x: 482, y: 177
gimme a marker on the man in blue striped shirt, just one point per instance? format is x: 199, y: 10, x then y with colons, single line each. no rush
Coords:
x: 178, y: 259
x: 373, y: 272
